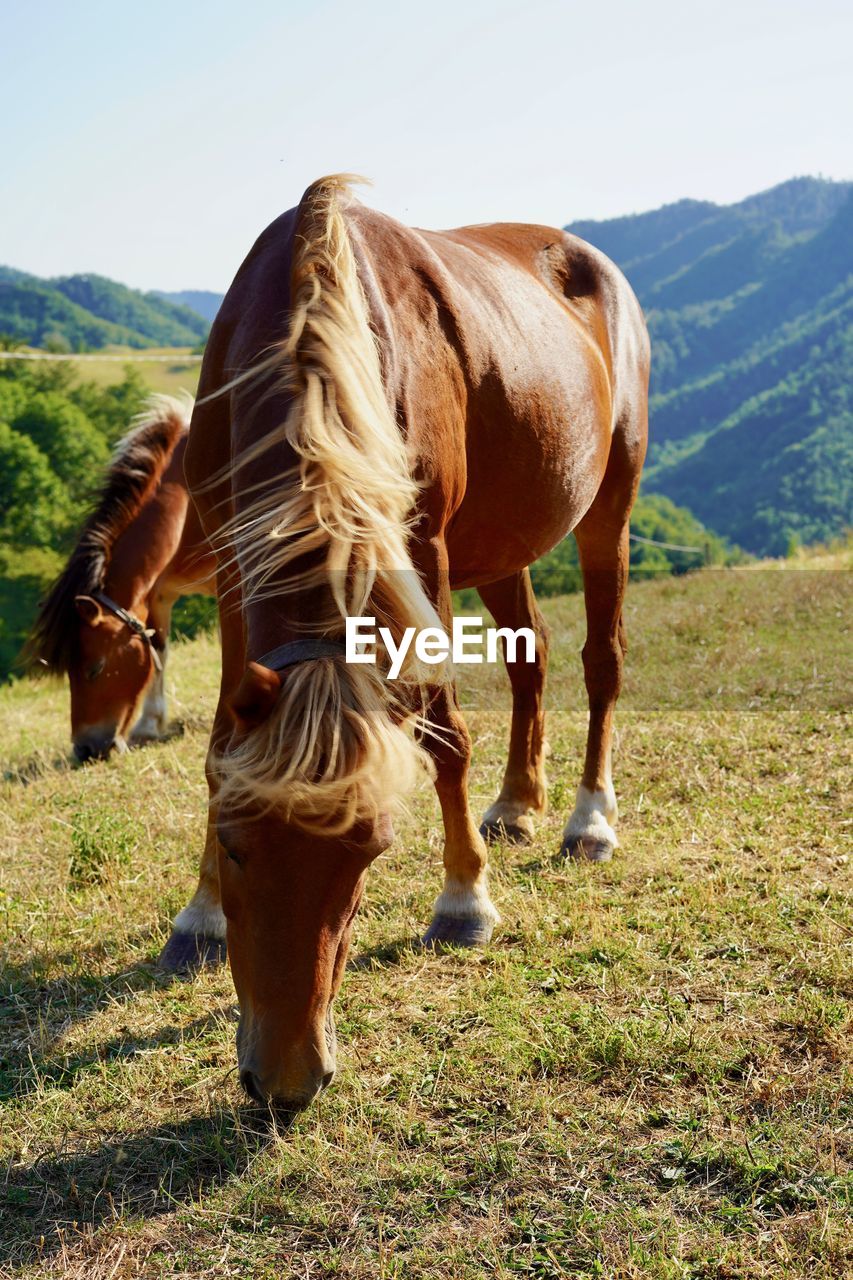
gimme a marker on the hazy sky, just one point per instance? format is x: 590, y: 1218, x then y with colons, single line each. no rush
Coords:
x: 152, y: 142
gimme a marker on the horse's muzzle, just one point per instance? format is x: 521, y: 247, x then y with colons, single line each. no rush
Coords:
x: 292, y: 1085
x: 282, y: 1107
x: 97, y: 746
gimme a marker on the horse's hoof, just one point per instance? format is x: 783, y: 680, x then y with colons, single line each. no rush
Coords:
x: 457, y: 931
x: 145, y: 734
x: 496, y: 831
x: 587, y: 849
x: 189, y: 952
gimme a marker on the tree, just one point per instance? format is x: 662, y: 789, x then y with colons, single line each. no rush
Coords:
x: 62, y: 432
x: 111, y: 409
x: 57, y: 344
x: 34, y: 508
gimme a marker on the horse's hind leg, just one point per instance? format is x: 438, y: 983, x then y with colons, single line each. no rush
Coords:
x: 463, y: 914
x: 603, y: 547
x: 524, y: 792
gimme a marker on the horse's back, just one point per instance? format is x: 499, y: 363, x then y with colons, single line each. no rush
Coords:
x: 514, y: 352
x: 511, y: 353
x: 501, y: 278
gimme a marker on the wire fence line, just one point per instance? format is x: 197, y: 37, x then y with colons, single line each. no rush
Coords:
x: 130, y: 357
x: 667, y: 546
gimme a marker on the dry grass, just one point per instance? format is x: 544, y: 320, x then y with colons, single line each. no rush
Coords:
x: 643, y: 1076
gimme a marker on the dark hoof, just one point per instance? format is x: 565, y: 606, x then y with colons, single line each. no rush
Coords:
x: 457, y: 931
x: 504, y: 833
x: 188, y: 952
x: 587, y: 849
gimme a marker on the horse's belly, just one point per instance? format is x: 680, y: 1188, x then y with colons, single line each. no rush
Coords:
x: 530, y: 480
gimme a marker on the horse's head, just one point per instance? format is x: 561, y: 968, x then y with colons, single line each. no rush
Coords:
x: 290, y: 897
x: 112, y: 668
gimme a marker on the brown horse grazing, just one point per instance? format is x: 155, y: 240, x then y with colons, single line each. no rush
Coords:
x: 105, y: 621
x: 386, y: 414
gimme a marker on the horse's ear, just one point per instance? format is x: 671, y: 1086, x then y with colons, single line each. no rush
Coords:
x: 255, y: 697
x: 89, y: 610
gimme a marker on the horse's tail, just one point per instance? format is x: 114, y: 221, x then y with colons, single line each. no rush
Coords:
x: 331, y: 752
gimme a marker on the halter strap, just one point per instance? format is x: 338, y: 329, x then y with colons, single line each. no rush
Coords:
x: 287, y: 655
x: 134, y: 624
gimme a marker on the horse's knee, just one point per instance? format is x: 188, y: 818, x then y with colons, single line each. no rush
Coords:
x: 449, y: 746
x: 543, y: 634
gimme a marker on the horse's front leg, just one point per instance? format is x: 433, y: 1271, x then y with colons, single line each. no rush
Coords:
x: 153, y: 719
x: 197, y: 939
x: 524, y: 792
x: 198, y: 932
x: 463, y: 914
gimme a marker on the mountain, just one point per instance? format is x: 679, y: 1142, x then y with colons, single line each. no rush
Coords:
x: 202, y: 301
x: 750, y: 311
x: 90, y: 311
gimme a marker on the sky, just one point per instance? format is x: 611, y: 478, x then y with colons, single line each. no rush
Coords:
x: 153, y: 142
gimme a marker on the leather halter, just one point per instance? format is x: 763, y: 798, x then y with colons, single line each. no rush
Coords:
x: 287, y: 655
x: 134, y: 624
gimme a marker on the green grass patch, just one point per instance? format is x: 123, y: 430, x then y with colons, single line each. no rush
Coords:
x: 646, y: 1074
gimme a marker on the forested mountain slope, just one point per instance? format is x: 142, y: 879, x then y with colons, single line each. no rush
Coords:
x: 203, y: 301
x: 90, y: 311
x: 750, y: 309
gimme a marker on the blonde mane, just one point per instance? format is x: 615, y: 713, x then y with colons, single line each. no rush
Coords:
x: 333, y: 751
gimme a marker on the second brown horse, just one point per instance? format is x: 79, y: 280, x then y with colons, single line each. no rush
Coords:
x: 105, y: 621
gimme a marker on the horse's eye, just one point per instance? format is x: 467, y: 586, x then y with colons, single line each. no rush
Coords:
x: 233, y: 857
x: 95, y: 671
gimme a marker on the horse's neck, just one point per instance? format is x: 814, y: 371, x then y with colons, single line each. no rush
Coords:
x: 276, y: 619
x: 142, y: 553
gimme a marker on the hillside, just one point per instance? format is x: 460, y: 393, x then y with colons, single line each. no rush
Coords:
x: 643, y: 1077
x: 203, y: 301
x: 750, y: 309
x: 89, y: 311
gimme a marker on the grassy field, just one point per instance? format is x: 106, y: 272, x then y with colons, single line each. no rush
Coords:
x: 175, y: 370
x: 644, y: 1075
x: 164, y: 369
